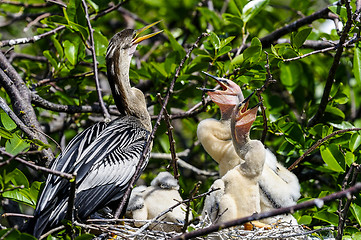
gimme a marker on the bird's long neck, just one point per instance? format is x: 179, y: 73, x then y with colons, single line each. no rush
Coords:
x: 129, y: 100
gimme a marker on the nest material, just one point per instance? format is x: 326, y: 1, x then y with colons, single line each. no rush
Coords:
x: 280, y: 230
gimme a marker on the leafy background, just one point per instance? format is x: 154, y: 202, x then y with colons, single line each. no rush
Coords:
x: 58, y: 69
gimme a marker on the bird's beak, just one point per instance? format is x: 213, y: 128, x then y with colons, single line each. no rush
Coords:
x: 222, y: 82
x: 244, y: 117
x: 137, y: 40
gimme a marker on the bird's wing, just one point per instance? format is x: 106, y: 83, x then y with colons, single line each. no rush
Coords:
x: 66, y: 162
x: 104, y: 157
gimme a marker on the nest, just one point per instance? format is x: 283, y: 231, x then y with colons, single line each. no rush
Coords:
x: 281, y: 230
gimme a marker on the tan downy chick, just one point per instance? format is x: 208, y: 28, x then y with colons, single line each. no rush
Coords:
x: 239, y: 195
x: 278, y: 186
x: 146, y: 203
x: 215, y: 135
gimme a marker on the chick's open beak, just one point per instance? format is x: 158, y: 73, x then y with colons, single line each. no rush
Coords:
x: 137, y: 40
x: 244, y: 116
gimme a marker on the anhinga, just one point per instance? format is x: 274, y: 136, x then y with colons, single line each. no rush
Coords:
x: 278, y: 186
x: 239, y: 196
x: 148, y: 202
x: 105, y: 155
x: 215, y: 135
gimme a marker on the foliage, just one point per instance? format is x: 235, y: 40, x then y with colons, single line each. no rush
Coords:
x: 59, y: 68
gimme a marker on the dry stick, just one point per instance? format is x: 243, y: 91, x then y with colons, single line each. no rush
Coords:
x: 4, y: 215
x: 319, y: 202
x: 95, y: 63
x: 51, y: 232
x: 174, y: 158
x: 49, y: 80
x: 193, y: 192
x: 36, y: 167
x: 343, y: 213
x: 318, y: 143
x: 268, y: 80
x: 147, y: 147
x: 331, y: 74
x: 72, y: 195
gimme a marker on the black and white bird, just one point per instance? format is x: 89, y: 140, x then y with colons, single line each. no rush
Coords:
x: 104, y: 157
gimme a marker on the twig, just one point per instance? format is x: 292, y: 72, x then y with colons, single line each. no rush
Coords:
x: 147, y: 147
x: 57, y: 229
x: 343, y: 213
x: 72, y: 195
x: 268, y: 80
x: 332, y: 72
x: 36, y: 167
x: 171, y: 139
x: 4, y: 215
x: 95, y: 63
x: 318, y: 143
x: 191, y: 198
x: 41, y: 102
x: 319, y: 202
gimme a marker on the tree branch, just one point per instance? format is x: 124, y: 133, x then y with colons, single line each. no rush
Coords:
x: 332, y: 72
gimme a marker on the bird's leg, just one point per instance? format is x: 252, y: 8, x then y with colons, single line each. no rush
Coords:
x: 251, y: 225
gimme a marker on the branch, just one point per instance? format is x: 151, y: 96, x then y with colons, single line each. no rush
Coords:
x: 319, y: 202
x: 171, y: 140
x: 318, y: 143
x: 332, y: 72
x: 36, y: 167
x: 95, y: 63
x: 41, y: 102
x: 147, y: 147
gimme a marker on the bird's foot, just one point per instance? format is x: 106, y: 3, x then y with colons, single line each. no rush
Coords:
x: 256, y: 224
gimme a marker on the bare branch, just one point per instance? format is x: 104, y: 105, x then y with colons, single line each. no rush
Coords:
x: 95, y: 63
x: 318, y: 143
x: 332, y: 72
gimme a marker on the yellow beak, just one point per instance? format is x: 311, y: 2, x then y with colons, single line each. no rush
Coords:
x: 137, y: 39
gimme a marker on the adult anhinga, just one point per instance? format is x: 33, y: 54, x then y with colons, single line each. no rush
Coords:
x: 239, y: 195
x: 278, y: 186
x: 105, y: 155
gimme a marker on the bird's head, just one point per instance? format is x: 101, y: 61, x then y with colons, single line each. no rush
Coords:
x: 128, y: 39
x: 227, y: 97
x: 243, y: 118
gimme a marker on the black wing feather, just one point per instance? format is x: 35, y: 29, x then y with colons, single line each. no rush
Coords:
x: 104, y: 157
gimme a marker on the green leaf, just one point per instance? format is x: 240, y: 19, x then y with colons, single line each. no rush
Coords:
x: 85, y: 236
x: 332, y: 156
x: 355, y: 142
x: 215, y: 40
x: 93, y: 5
x: 51, y: 59
x: 224, y: 50
x: 357, y: 63
x: 356, y: 212
x: 349, y: 158
x: 301, y: 37
x: 233, y: 19
x: 328, y: 217
x: 71, y: 52
x: 19, y: 195
x: 58, y: 46
x: 5, y: 133
x: 14, y: 234
x: 252, y: 8
x: 175, y: 45
x: 16, y: 145
x: 7, y: 122
x: 19, y: 178
x: 339, y: 10
x: 333, y: 114
x: 101, y: 43
x: 305, y: 220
